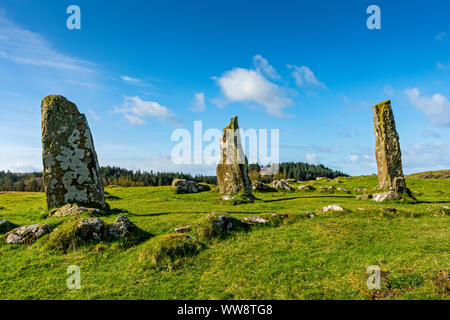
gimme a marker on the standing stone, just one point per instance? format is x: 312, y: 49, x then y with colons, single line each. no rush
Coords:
x: 388, y: 154
x: 232, y: 171
x: 71, y: 170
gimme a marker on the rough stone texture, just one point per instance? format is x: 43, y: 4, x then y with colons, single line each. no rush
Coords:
x: 26, y: 234
x: 333, y: 207
x: 183, y: 229
x: 71, y: 210
x: 71, y: 170
x: 280, y: 185
x: 91, y: 228
x: 232, y: 170
x: 261, y: 187
x: 255, y: 220
x: 327, y: 188
x: 343, y: 190
x: 186, y: 186
x: 120, y: 228
x: 388, y: 153
x: 360, y: 190
x: 383, y: 196
x: 306, y: 188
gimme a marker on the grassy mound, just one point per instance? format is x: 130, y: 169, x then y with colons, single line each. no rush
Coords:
x: 440, y: 174
x: 209, y: 228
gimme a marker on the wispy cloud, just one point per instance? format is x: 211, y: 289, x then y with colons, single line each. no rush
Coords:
x: 388, y: 90
x: 199, y: 102
x: 442, y: 36
x: 130, y: 79
x: 135, y: 110
x: 436, y: 107
x: 305, y: 78
x: 94, y: 115
x: 262, y: 65
x: 25, y: 47
x: 443, y: 66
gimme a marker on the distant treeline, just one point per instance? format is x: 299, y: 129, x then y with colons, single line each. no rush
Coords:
x: 33, y: 182
x: 295, y: 170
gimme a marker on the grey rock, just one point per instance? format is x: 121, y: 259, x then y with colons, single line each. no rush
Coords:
x: 255, y: 220
x: 71, y: 210
x: 305, y: 188
x: 383, y: 196
x: 333, y: 207
x: 183, y: 229
x: 91, y: 228
x: 120, y: 228
x: 280, y: 185
x: 27, y: 234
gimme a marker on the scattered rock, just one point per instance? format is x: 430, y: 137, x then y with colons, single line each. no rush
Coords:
x: 71, y: 210
x: 261, y: 187
x: 281, y: 215
x: 306, y: 188
x: 71, y: 171
x: 280, y: 185
x: 183, y: 229
x: 255, y: 220
x: 333, y: 207
x: 360, y: 190
x: 327, y: 188
x: 390, y: 195
x: 343, y: 190
x: 27, y: 234
x: 310, y: 214
x: 186, y: 186
x: 120, y: 228
x: 232, y: 170
x: 224, y: 222
x: 91, y: 228
x: 391, y: 210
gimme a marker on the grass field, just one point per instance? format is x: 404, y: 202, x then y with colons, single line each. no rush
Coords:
x: 324, y: 257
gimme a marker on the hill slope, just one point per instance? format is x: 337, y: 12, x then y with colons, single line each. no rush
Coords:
x: 441, y: 174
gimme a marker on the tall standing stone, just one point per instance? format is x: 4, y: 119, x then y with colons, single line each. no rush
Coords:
x: 71, y: 170
x: 388, y: 154
x: 232, y: 171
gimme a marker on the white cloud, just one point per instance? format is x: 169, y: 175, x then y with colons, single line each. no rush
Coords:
x: 436, y: 107
x: 20, y: 167
x: 199, y: 102
x: 388, y: 90
x: 135, y: 109
x: 263, y: 66
x: 311, y: 158
x: 243, y: 85
x: 130, y: 79
x: 441, y: 36
x: 305, y: 78
x: 443, y: 66
x: 426, y: 156
x: 354, y: 157
x: 26, y: 47
x: 94, y: 115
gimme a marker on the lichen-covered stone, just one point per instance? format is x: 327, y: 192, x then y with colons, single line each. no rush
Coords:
x: 122, y: 227
x: 232, y: 170
x: 280, y: 185
x: 388, y: 153
x: 383, y: 196
x: 186, y: 186
x: 26, y: 234
x: 91, y: 229
x: 71, y: 209
x: 71, y: 170
x: 261, y: 187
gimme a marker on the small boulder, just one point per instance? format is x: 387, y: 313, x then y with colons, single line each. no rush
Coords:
x: 224, y: 222
x: 383, y: 196
x: 391, y: 210
x: 183, y: 229
x: 360, y: 190
x: 27, y: 234
x: 310, y: 214
x: 120, y: 228
x: 186, y: 186
x: 280, y: 185
x: 343, y: 190
x: 255, y: 220
x: 261, y: 187
x: 71, y: 210
x: 333, y: 207
x: 91, y: 228
x: 306, y: 188
x: 327, y: 188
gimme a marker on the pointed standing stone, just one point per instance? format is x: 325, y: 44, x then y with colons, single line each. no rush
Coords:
x: 71, y: 170
x: 388, y: 154
x: 232, y: 171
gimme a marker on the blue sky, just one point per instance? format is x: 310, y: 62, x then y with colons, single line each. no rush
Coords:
x: 309, y: 68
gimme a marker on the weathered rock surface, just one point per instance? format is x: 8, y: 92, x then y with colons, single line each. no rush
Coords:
x: 91, y: 228
x: 26, y: 234
x: 71, y: 210
x: 360, y: 190
x: 232, y: 170
x: 383, y: 196
x: 255, y: 220
x: 327, y: 188
x: 343, y: 190
x: 261, y: 187
x: 306, y: 188
x: 333, y: 207
x: 280, y: 185
x: 183, y: 229
x: 388, y: 153
x: 120, y: 228
x: 310, y: 214
x: 71, y: 170
x: 186, y: 186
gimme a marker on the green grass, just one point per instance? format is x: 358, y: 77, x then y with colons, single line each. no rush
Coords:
x: 325, y: 257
